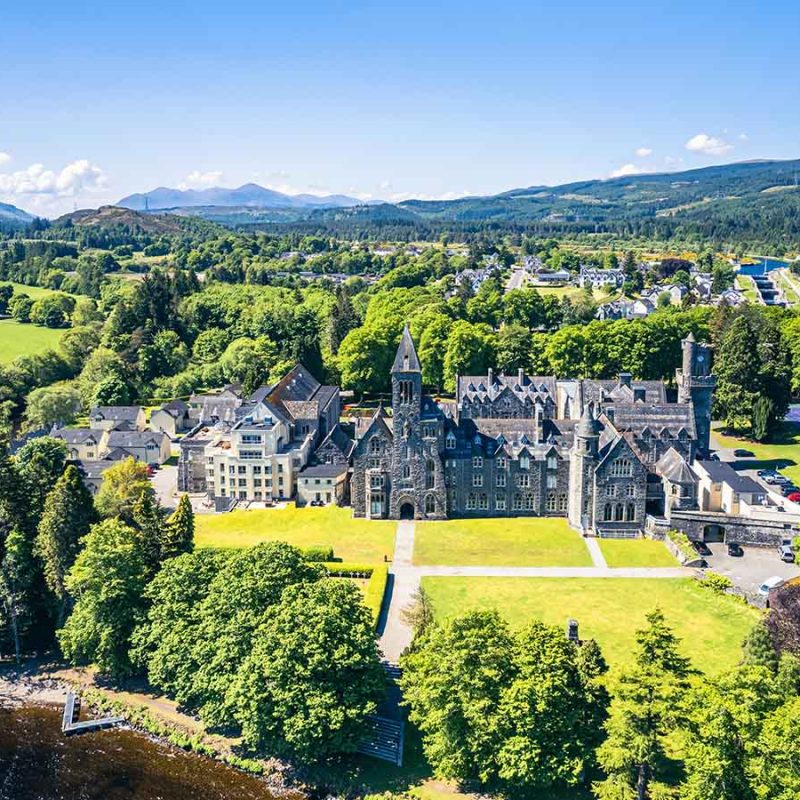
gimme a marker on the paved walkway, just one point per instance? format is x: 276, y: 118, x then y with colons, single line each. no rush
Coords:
x: 404, y: 581
x: 598, y: 559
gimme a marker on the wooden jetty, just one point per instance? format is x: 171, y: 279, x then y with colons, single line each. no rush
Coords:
x: 72, y: 710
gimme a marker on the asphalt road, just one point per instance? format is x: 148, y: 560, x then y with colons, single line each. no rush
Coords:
x: 749, y: 571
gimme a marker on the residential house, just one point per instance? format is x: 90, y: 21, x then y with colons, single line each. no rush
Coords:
x: 83, y: 444
x: 149, y: 447
x: 171, y: 418
x: 597, y: 278
x: 128, y: 418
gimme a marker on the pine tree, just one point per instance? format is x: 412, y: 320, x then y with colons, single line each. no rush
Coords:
x: 17, y: 576
x: 342, y: 320
x: 178, y: 532
x: 68, y: 515
x: 758, y: 649
x: 148, y: 519
x: 643, y: 712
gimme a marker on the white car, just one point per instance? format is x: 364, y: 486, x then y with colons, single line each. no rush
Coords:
x: 770, y: 583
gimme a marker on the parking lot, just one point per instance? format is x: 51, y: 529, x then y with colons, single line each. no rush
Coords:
x: 749, y: 571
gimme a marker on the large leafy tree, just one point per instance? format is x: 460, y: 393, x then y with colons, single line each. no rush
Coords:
x: 777, y: 776
x: 313, y: 674
x: 68, y: 515
x: 643, y: 712
x: 40, y: 464
x: 17, y: 582
x: 122, y: 488
x: 107, y: 580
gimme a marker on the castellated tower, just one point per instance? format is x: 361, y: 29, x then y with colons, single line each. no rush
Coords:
x: 696, y: 385
x: 582, y: 464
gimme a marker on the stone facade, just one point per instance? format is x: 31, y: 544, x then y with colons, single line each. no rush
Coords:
x: 517, y: 445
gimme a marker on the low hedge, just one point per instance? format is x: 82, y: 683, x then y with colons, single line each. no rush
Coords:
x: 378, y: 575
x: 323, y: 553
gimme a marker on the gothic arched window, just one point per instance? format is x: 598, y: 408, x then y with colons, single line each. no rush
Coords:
x: 631, y: 512
x: 430, y: 504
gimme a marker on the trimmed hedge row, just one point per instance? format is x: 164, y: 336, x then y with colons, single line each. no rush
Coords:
x: 378, y: 575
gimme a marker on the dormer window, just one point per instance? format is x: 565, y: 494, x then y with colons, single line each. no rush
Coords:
x: 450, y: 441
x: 524, y: 461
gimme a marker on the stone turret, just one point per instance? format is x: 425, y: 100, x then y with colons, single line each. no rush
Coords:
x: 696, y: 385
x: 582, y: 464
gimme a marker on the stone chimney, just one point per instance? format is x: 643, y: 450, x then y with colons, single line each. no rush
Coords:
x: 625, y: 379
x: 521, y: 376
x: 639, y: 395
x: 490, y: 378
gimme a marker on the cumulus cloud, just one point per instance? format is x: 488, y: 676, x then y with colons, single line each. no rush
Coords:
x: 69, y: 181
x: 4, y: 158
x: 710, y: 145
x: 626, y: 169
x: 201, y: 180
x: 643, y: 152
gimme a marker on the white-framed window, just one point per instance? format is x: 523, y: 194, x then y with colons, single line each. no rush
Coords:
x: 523, y: 481
x: 562, y: 502
x: 552, y: 502
x: 621, y: 468
x: 450, y: 441
x: 516, y: 502
x: 524, y: 462
x: 611, y: 490
x: 502, y: 462
x: 483, y: 502
x: 630, y: 490
x: 530, y: 502
x: 471, y: 501
x: 477, y: 462
x: 477, y: 479
x: 500, y: 502
x: 500, y: 479
x: 552, y: 481
x: 376, y: 481
x: 552, y: 462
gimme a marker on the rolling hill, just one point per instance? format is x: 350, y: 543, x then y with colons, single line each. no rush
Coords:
x: 12, y: 216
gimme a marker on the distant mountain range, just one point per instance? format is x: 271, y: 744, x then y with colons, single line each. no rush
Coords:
x: 13, y: 216
x: 251, y: 195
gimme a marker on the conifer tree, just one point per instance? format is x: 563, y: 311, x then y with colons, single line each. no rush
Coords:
x: 17, y: 575
x: 758, y: 649
x: 178, y: 533
x: 68, y: 515
x: 148, y: 519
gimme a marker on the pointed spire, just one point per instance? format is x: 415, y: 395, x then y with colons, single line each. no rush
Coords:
x: 406, y: 359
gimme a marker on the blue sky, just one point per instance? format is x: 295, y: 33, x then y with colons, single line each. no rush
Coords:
x: 385, y: 100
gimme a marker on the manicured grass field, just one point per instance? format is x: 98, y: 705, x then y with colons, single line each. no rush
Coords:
x: 610, y: 610
x: 783, y: 453
x: 24, y: 339
x: 34, y: 292
x: 636, y: 553
x: 354, y: 540
x: 517, y: 542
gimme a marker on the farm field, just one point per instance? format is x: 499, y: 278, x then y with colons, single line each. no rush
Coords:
x: 636, y: 553
x: 610, y: 610
x: 355, y: 540
x: 23, y: 339
x: 516, y: 541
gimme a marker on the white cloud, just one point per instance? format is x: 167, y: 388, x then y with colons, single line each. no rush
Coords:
x: 710, y: 145
x: 743, y: 137
x: 643, y: 152
x: 71, y: 180
x: 626, y: 169
x: 201, y: 180
x: 4, y: 158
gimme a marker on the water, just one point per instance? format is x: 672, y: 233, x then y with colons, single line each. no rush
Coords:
x: 37, y: 762
x: 762, y: 266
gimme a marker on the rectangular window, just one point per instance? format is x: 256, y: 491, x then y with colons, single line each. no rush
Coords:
x: 552, y: 462
x: 551, y: 502
x: 477, y: 462
x: 256, y: 470
x: 242, y: 481
x: 483, y: 502
x: 250, y: 455
x: 251, y: 438
x: 376, y: 481
x: 500, y: 502
x: 501, y: 479
x: 517, y: 502
x: 523, y: 481
x: 242, y: 470
x: 552, y: 481
x: 530, y: 502
x: 470, y: 502
x: 502, y: 462
x: 256, y: 481
x: 477, y: 479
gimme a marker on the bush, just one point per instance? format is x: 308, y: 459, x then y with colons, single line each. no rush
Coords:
x: 320, y: 553
x: 376, y: 588
x: 716, y: 582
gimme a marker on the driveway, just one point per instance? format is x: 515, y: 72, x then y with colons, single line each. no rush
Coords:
x: 752, y: 569
x: 165, y: 483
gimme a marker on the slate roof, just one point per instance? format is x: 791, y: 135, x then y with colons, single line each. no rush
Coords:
x: 721, y: 472
x: 672, y: 465
x: 406, y: 359
x: 77, y: 435
x: 654, y: 417
x: 135, y: 439
x: 175, y: 408
x: 323, y: 471
x: 126, y: 413
x: 534, y: 387
x: 338, y: 437
x: 654, y: 391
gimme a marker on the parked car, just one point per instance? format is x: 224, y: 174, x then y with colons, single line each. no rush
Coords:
x: 767, y: 473
x: 739, y: 453
x: 735, y: 550
x: 770, y: 583
x: 702, y: 548
x: 794, y: 496
x: 778, y: 480
x: 789, y: 488
x: 786, y: 553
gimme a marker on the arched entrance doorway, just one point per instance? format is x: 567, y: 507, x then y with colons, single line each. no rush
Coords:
x: 407, y: 511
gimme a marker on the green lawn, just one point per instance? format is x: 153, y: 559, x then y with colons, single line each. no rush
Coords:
x: 609, y: 610
x: 34, y: 292
x: 636, y: 553
x: 746, y: 285
x: 783, y: 453
x: 352, y: 539
x: 517, y: 541
x: 24, y: 339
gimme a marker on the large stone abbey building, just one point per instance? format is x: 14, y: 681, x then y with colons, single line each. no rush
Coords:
x: 601, y: 452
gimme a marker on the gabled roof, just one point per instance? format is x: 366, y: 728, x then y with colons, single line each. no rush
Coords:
x: 125, y: 439
x: 406, y: 359
x: 338, y: 438
x: 77, y: 435
x: 129, y: 413
x: 672, y: 465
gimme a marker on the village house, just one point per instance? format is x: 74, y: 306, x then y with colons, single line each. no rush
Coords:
x: 106, y: 418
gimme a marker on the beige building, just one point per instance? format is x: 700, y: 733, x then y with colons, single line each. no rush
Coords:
x: 107, y: 418
x: 722, y: 489
x: 322, y: 484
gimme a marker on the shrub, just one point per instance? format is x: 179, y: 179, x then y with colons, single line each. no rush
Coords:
x: 376, y: 588
x: 681, y: 541
x: 716, y: 582
x: 318, y: 553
